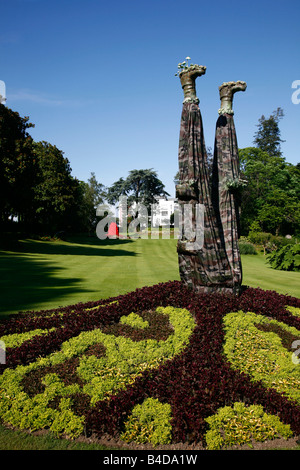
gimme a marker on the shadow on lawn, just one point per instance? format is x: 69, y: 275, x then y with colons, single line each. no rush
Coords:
x: 81, y: 247
x: 27, y: 281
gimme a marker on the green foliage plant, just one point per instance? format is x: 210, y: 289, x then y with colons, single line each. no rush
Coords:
x: 246, y: 248
x: 18, y: 168
x: 286, y: 258
x: 23, y: 412
x: 125, y: 359
x: 241, y: 424
x: 267, y: 241
x: 270, y: 202
x: 134, y: 320
x: 267, y: 137
x: 261, y: 354
x: 264, y: 239
x: 149, y: 422
x: 123, y: 362
x: 294, y: 310
x: 16, y: 339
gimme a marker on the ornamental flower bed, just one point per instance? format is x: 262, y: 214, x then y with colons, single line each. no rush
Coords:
x: 160, y: 365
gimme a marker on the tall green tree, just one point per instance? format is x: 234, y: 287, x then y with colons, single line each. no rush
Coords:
x: 280, y: 213
x: 92, y: 193
x: 17, y: 166
x: 95, y: 191
x: 140, y: 186
x: 271, y: 200
x: 55, y: 190
x: 267, y: 137
x: 36, y: 185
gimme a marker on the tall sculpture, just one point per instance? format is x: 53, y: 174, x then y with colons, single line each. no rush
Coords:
x: 226, y: 181
x: 203, y: 260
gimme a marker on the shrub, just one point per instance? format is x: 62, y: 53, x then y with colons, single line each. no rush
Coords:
x: 16, y: 339
x: 294, y: 310
x: 247, y: 248
x: 241, y: 424
x: 123, y: 361
x: 134, y: 320
x: 149, y: 422
x: 286, y: 258
x: 252, y: 347
x: 261, y: 238
x: 269, y: 242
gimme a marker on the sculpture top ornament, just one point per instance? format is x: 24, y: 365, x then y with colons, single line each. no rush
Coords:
x: 188, y: 75
x: 227, y: 90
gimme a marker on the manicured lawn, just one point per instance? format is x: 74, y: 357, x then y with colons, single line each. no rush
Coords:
x: 42, y: 274
x: 258, y: 273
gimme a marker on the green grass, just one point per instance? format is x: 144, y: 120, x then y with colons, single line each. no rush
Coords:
x: 42, y: 274
x: 19, y: 440
x: 258, y: 273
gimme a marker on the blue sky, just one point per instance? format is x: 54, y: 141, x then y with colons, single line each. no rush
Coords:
x: 97, y: 78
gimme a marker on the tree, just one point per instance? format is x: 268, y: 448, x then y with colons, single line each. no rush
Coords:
x: 55, y: 190
x: 96, y: 192
x: 267, y: 138
x: 91, y: 194
x: 280, y: 213
x: 17, y: 166
x: 140, y: 186
x: 272, y: 196
x: 36, y: 185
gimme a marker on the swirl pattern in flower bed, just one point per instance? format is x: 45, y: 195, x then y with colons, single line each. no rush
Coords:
x: 87, y: 367
x: 91, y: 367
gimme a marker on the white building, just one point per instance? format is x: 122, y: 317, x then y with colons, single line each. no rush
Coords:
x: 162, y: 211
x: 160, y: 214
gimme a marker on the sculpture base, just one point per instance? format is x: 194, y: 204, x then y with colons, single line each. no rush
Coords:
x: 218, y: 289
